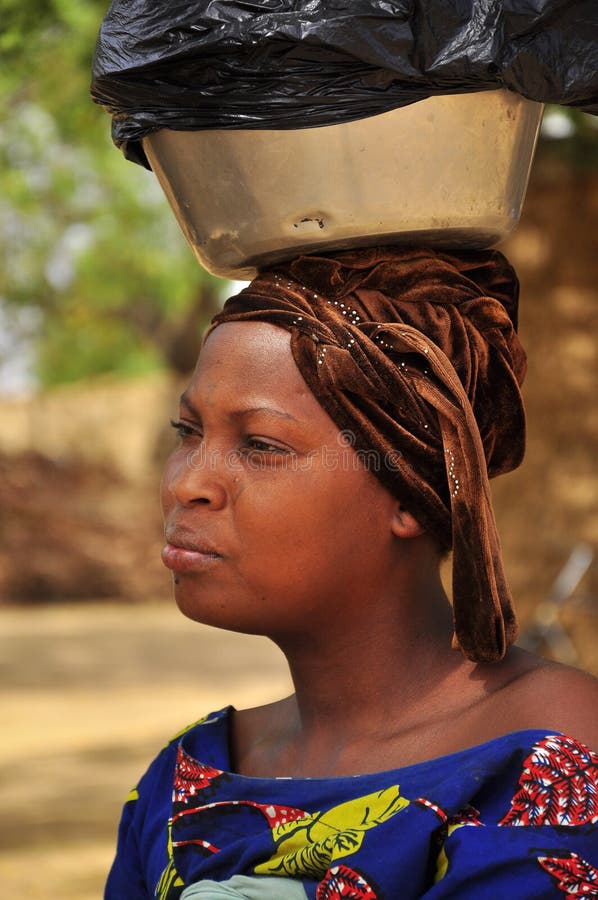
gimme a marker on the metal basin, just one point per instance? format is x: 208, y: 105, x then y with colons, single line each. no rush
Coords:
x: 449, y: 171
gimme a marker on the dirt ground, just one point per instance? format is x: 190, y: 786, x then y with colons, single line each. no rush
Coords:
x: 89, y: 694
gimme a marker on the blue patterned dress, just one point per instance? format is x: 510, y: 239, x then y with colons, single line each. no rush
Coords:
x: 516, y: 817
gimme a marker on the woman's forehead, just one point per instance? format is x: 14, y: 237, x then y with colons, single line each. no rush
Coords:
x: 248, y: 360
x: 252, y: 343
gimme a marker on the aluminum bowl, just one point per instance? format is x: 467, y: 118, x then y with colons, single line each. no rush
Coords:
x: 450, y: 171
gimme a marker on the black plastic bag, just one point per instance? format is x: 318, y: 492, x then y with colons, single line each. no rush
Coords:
x: 301, y: 63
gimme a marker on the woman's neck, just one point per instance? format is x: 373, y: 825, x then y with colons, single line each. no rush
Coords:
x: 374, y: 661
x: 385, y: 673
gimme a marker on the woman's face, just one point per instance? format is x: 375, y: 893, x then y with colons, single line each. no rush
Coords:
x: 273, y: 525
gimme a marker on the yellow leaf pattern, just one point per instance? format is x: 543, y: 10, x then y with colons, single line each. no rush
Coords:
x: 308, y: 846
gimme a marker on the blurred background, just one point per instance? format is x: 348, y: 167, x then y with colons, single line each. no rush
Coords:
x: 102, y: 307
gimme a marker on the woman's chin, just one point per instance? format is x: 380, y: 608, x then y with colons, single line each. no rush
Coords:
x: 207, y: 609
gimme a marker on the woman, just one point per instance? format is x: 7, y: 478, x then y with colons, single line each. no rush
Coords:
x: 336, y: 441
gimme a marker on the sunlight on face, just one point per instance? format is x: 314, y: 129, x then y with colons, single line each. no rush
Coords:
x: 277, y: 521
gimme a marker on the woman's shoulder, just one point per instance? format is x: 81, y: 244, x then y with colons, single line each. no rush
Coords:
x: 549, y: 695
x: 204, y: 740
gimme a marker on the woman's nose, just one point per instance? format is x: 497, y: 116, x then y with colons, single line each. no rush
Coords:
x: 191, y: 480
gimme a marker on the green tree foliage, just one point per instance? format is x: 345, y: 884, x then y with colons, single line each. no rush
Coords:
x: 86, y: 238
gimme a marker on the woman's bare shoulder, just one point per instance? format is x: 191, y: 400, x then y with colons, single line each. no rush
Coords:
x: 558, y: 697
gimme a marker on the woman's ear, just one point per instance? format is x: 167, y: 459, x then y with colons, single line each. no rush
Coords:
x: 403, y: 524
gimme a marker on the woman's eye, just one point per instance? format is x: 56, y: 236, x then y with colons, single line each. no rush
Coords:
x: 183, y: 430
x: 249, y: 444
x: 260, y: 446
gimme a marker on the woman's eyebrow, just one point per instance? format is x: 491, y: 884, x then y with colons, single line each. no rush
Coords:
x: 184, y: 401
x: 244, y: 411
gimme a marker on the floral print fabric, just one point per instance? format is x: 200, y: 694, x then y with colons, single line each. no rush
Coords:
x: 514, y: 817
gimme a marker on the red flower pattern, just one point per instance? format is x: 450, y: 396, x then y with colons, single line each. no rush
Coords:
x: 343, y: 882
x: 191, y: 776
x: 558, y: 785
x: 573, y: 875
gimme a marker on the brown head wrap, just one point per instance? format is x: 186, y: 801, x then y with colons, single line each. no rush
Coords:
x: 414, y: 353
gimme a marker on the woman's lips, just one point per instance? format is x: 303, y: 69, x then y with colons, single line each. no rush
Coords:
x: 181, y: 559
